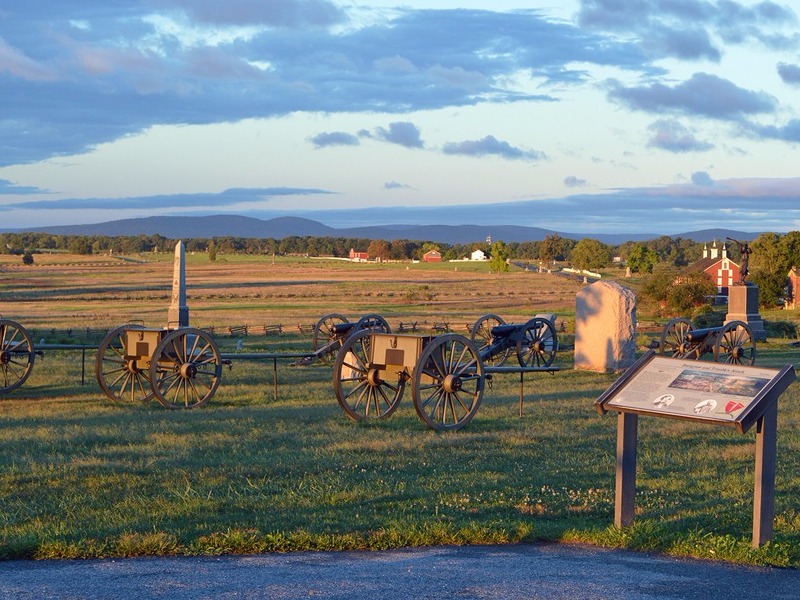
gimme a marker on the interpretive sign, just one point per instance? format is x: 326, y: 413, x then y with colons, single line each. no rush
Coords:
x: 720, y: 393
x: 717, y: 393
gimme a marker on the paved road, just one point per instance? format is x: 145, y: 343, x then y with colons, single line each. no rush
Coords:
x: 539, y: 572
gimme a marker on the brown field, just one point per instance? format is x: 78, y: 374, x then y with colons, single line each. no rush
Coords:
x: 101, y: 292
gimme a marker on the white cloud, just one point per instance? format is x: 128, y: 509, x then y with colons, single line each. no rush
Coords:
x: 490, y: 145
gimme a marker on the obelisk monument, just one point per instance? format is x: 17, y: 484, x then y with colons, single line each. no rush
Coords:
x: 178, y: 311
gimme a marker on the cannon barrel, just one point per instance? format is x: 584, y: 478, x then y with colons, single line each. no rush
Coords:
x: 698, y: 335
x: 341, y: 329
x: 506, y: 329
x: 339, y: 332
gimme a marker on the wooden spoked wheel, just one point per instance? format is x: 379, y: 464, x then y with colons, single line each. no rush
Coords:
x: 374, y: 323
x: 735, y: 344
x: 324, y: 334
x: 363, y: 390
x: 675, y: 342
x: 481, y: 336
x: 121, y: 377
x: 186, y: 368
x: 538, y: 345
x: 448, y: 382
x: 16, y: 355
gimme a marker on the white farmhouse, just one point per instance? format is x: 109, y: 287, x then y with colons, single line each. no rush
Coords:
x: 478, y: 255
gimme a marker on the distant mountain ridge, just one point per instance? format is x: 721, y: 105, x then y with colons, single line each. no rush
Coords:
x: 281, y: 227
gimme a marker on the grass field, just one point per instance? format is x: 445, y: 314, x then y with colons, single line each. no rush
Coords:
x: 67, y: 291
x: 81, y: 476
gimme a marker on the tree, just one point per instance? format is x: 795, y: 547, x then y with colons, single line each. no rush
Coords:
x: 27, y: 258
x: 400, y: 250
x: 791, y: 248
x: 678, y: 291
x: 80, y: 245
x: 379, y: 250
x: 196, y: 245
x: 528, y: 250
x: 641, y: 259
x: 212, y: 251
x: 691, y: 290
x: 768, y: 255
x: 771, y: 287
x: 550, y: 249
x: 500, y: 255
x: 591, y: 255
x: 656, y: 286
x: 769, y: 266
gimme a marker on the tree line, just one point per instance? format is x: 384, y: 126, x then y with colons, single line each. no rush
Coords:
x: 587, y: 253
x: 662, y: 259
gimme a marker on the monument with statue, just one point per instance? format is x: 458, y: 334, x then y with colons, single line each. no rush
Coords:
x: 743, y: 297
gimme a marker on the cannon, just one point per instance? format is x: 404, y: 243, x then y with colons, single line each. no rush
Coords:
x: 447, y: 372
x: 179, y: 365
x: 17, y: 355
x: 535, y: 343
x: 333, y: 329
x: 731, y: 343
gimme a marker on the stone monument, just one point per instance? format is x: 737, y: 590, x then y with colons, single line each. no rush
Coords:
x: 743, y: 306
x: 605, y: 327
x: 792, y: 289
x: 743, y: 297
x: 178, y: 310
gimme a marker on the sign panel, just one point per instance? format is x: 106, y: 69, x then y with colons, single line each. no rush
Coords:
x: 721, y: 393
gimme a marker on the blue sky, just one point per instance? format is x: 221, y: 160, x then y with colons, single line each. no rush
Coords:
x: 593, y: 116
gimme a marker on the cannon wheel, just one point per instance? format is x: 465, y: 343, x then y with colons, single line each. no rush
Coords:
x: 16, y: 355
x: 374, y: 323
x: 119, y: 378
x: 360, y: 391
x: 538, y: 345
x: 481, y: 336
x: 323, y: 333
x: 735, y: 344
x: 448, y: 382
x: 674, y: 343
x: 185, y: 369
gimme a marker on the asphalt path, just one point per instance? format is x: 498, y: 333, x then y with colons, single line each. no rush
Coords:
x: 529, y: 571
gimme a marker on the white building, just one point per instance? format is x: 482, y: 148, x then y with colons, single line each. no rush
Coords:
x: 478, y: 255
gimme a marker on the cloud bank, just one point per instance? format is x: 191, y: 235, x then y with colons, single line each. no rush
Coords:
x: 76, y: 75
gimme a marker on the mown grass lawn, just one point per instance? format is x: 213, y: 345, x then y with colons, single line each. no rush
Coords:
x: 82, y: 477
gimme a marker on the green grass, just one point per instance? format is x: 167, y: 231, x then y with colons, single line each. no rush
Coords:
x: 82, y: 477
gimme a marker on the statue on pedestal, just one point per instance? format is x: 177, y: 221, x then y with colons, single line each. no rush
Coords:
x: 745, y: 251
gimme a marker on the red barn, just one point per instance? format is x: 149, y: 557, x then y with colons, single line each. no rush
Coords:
x: 432, y: 256
x: 358, y: 255
x: 722, y: 270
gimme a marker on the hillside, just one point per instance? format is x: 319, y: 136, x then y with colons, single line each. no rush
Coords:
x: 281, y: 227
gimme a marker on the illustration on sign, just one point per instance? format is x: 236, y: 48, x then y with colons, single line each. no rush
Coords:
x: 719, y: 383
